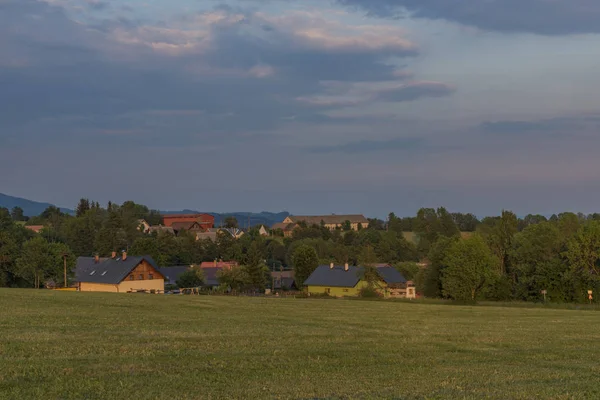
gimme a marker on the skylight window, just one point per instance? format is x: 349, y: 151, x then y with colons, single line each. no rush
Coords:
x: 93, y: 272
x: 104, y: 273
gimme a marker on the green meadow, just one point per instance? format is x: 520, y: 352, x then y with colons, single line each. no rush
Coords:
x: 68, y: 345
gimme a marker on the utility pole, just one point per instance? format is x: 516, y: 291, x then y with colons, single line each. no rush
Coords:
x: 65, y: 270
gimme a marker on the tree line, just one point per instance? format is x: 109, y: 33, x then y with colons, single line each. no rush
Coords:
x: 447, y: 255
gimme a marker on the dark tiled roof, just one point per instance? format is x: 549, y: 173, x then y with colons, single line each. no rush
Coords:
x: 173, y: 273
x: 84, y: 266
x: 287, y: 283
x: 210, y: 276
x: 390, y: 275
x: 111, y: 270
x: 338, y: 277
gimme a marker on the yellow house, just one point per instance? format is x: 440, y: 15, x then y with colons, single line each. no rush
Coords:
x: 119, y: 275
x: 340, y: 281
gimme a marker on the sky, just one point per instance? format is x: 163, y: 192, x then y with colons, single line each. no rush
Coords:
x: 310, y: 107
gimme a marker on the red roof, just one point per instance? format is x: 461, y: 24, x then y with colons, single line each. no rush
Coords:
x: 35, y: 228
x: 219, y: 264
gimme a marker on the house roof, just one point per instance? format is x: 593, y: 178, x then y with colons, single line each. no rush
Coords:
x: 336, y: 276
x: 210, y: 276
x: 284, y: 282
x: 172, y: 274
x: 324, y: 275
x: 330, y: 219
x: 283, y: 226
x: 110, y: 270
x: 35, y: 228
x: 84, y: 266
x: 220, y: 264
x: 177, y: 226
x: 158, y: 228
x: 206, y: 235
x: 390, y: 275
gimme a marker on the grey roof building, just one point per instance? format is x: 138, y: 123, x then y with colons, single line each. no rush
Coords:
x: 108, y: 270
x: 341, y: 276
x: 172, y: 274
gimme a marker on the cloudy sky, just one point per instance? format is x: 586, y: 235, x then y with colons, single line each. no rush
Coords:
x: 366, y: 106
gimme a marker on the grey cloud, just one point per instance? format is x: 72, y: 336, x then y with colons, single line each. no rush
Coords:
x: 414, y: 91
x: 98, y: 4
x: 560, y: 126
x: 554, y: 17
x: 370, y: 146
x: 67, y: 82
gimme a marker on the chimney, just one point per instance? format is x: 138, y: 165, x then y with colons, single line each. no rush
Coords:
x: 346, y: 267
x: 114, y: 254
x: 331, y: 266
x: 96, y: 259
x: 124, y: 255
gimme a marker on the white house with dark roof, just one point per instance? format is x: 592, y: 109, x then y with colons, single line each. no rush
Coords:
x: 119, y: 274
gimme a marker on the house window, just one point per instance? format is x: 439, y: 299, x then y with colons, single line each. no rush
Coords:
x: 141, y: 277
x: 150, y: 276
x: 345, y: 290
x: 131, y: 277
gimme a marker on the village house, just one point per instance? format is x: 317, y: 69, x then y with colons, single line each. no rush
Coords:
x: 205, y: 221
x: 284, y: 280
x: 287, y: 229
x: 35, y: 228
x: 219, y: 264
x: 340, y: 281
x: 330, y: 222
x: 172, y: 274
x: 212, y: 233
x: 118, y: 274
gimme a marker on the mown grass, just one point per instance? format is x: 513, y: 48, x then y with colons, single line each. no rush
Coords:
x: 61, y: 345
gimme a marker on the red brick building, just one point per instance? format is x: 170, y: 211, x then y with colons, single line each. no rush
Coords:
x: 206, y: 221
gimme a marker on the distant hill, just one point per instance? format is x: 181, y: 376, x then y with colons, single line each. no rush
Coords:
x: 243, y: 218
x: 30, y: 208
x: 33, y: 208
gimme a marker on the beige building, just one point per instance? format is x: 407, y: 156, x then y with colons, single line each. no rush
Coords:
x: 329, y: 221
x: 120, y: 275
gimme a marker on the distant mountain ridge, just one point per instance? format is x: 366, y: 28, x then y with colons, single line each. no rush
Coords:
x: 32, y: 208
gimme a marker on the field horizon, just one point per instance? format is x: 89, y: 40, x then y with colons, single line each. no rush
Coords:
x: 72, y: 345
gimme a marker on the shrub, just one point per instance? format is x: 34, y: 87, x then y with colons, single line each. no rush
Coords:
x: 369, y: 292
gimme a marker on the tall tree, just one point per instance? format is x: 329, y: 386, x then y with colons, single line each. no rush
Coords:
x: 498, y: 233
x: 17, y: 214
x: 231, y: 222
x: 9, y: 251
x: 82, y: 207
x: 256, y: 269
x: 583, y: 255
x: 305, y: 261
x: 470, y: 267
x: 34, y: 262
x: 537, y: 262
x: 447, y: 226
x: 432, y: 275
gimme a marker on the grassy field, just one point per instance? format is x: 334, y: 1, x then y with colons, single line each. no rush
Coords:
x: 60, y: 345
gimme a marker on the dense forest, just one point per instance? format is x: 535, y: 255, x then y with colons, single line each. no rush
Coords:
x: 447, y: 255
